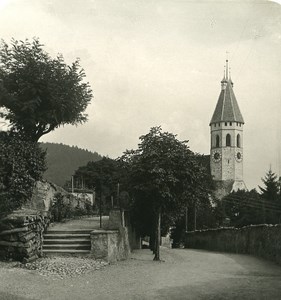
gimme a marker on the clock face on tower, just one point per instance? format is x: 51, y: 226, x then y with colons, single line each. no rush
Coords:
x: 216, y: 156
x: 238, y: 156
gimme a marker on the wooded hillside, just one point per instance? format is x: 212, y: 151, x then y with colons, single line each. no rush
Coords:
x: 63, y: 160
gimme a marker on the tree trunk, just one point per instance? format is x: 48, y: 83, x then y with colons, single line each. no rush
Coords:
x: 152, y: 240
x: 157, y: 237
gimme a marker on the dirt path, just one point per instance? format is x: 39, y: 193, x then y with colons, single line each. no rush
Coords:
x: 185, y: 274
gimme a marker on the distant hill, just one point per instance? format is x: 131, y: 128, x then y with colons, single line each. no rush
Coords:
x: 63, y: 160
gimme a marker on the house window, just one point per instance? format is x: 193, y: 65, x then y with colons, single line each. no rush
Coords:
x: 228, y: 140
x: 217, y: 141
x: 238, y: 141
x: 230, y: 123
x: 225, y: 123
x: 215, y: 125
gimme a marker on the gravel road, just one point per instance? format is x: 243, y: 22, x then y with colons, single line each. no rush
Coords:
x: 185, y: 274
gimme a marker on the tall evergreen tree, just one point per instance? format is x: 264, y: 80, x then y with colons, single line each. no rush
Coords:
x: 270, y: 194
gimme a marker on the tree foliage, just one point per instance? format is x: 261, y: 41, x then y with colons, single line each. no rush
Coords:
x: 101, y: 176
x: 250, y: 207
x: 39, y: 93
x: 164, y: 175
x: 271, y: 195
x: 271, y: 189
x: 21, y: 164
x: 243, y: 208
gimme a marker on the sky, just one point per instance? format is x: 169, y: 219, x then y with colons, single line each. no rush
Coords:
x: 160, y: 62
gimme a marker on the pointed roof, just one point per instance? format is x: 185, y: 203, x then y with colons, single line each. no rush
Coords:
x: 227, y: 109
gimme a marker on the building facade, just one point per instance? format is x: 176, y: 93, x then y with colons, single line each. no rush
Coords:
x: 226, y: 129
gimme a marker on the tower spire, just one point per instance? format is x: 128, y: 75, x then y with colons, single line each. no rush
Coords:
x: 224, y: 80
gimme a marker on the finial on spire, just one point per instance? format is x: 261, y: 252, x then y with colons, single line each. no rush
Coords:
x: 226, y: 69
x: 227, y: 65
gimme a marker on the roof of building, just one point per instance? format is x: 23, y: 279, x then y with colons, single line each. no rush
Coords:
x: 227, y: 109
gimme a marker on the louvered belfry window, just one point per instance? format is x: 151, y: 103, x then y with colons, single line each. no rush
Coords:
x: 228, y: 140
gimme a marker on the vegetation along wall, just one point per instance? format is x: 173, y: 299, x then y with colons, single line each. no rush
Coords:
x: 260, y: 240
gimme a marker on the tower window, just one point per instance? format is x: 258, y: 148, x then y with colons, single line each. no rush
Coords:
x: 238, y: 143
x: 228, y: 140
x: 219, y: 124
x: 237, y: 123
x: 217, y: 141
x: 215, y: 125
x: 230, y: 123
x: 225, y: 123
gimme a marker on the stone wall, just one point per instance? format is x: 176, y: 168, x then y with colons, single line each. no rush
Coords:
x: 258, y: 240
x: 111, y: 245
x: 43, y: 195
x: 21, y: 235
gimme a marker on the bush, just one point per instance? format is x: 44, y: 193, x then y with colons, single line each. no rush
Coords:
x: 22, y: 163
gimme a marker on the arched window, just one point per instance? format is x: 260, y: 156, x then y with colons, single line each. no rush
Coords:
x: 238, y: 144
x: 228, y: 140
x: 217, y: 141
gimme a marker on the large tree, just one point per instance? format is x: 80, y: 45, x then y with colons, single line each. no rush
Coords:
x: 164, y: 175
x: 39, y: 93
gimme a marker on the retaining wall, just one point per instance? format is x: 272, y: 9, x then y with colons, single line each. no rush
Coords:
x: 21, y: 235
x: 259, y: 240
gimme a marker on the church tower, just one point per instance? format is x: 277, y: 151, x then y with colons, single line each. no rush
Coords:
x: 226, y: 157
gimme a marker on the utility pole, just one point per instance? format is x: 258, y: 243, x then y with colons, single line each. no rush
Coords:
x: 118, y: 191
x: 94, y: 197
x: 72, y: 184
x: 120, y: 206
x: 194, y: 215
x: 101, y: 178
x: 101, y: 206
x: 186, y: 213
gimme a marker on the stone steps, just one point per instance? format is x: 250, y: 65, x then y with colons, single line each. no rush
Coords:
x: 65, y: 251
x: 67, y: 242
